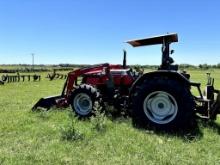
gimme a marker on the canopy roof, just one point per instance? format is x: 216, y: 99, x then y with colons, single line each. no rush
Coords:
x: 154, y: 40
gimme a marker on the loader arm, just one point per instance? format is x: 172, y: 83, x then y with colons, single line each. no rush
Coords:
x: 62, y: 100
x: 72, y: 76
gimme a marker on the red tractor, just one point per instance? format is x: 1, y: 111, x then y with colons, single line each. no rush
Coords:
x: 161, y: 98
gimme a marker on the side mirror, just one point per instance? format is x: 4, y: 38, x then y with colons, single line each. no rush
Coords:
x: 171, y: 60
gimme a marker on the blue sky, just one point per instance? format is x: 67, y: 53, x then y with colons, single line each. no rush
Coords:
x: 94, y: 31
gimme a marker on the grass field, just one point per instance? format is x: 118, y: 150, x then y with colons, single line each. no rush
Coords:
x: 28, y: 137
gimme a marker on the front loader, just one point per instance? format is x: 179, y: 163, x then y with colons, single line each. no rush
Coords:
x: 161, y: 98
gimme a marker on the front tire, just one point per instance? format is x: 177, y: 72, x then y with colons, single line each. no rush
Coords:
x: 83, y: 100
x: 162, y: 103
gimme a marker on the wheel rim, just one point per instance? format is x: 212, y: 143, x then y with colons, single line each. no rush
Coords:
x: 160, y: 107
x: 82, y: 104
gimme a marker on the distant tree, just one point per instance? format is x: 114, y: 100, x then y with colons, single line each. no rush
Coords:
x: 204, y: 66
x: 218, y: 65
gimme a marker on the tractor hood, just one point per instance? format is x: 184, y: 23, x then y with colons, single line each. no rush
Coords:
x: 154, y: 40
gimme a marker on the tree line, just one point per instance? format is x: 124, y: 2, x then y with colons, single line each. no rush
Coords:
x: 25, y: 68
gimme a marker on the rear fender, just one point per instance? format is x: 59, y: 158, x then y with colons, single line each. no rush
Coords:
x: 161, y: 73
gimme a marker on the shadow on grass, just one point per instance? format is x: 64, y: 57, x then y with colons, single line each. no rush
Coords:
x: 192, y: 133
x: 189, y: 133
x: 211, y: 125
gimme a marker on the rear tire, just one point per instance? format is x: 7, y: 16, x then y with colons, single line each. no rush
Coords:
x: 162, y: 103
x: 83, y: 100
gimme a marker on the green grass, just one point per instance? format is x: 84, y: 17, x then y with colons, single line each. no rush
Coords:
x: 38, y: 137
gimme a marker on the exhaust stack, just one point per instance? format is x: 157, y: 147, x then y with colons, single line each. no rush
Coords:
x: 125, y: 59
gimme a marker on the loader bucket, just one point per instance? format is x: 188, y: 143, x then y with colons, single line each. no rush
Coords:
x: 46, y: 102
